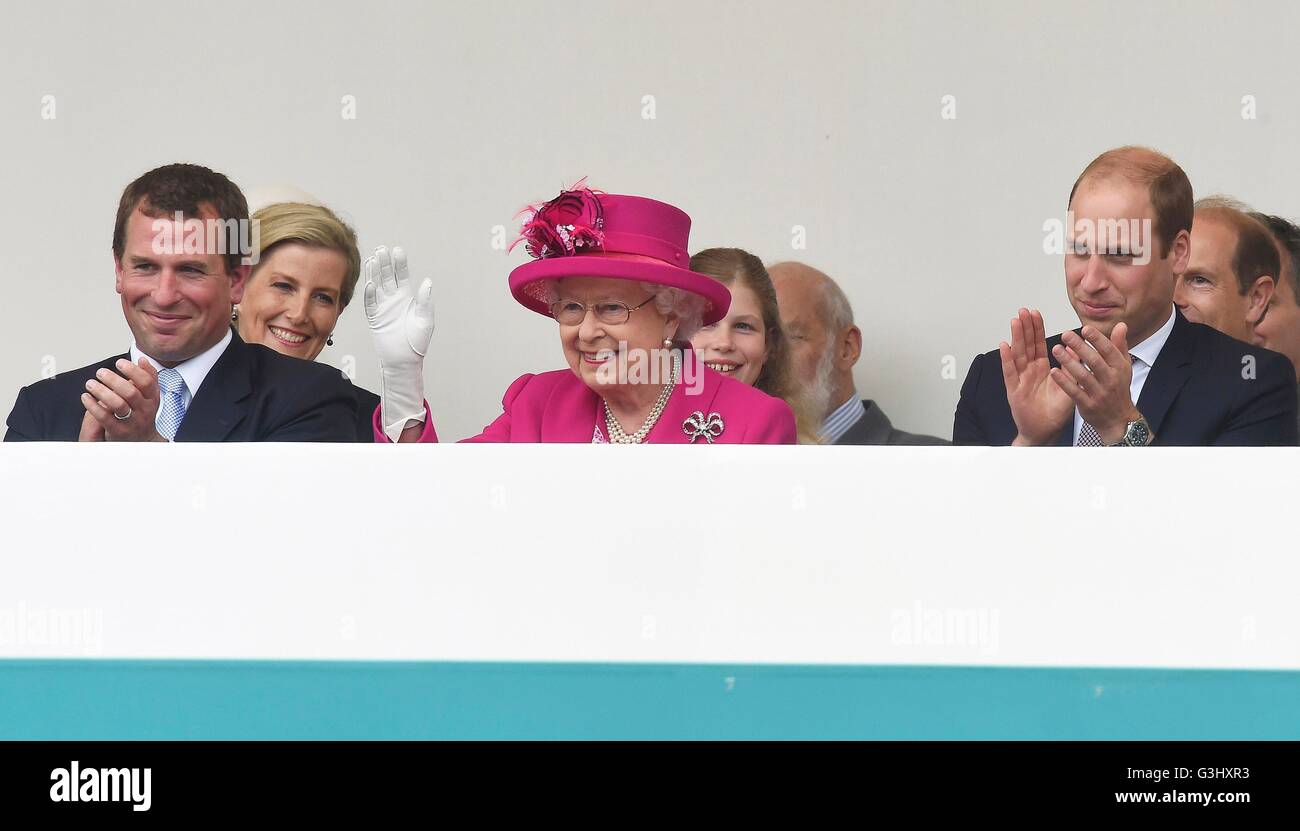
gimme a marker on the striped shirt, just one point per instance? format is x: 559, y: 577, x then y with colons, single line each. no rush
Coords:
x: 842, y: 419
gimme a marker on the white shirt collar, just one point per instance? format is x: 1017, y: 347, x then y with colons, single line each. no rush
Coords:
x: 1148, y: 350
x: 196, y: 369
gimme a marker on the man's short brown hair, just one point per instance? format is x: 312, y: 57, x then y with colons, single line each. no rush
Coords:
x: 181, y: 187
x: 1256, y: 253
x: 1287, y: 236
x: 1168, y: 188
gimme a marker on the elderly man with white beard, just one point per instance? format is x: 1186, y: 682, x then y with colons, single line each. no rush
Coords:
x: 826, y: 345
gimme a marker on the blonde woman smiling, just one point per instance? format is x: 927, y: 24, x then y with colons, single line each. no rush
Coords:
x: 305, y: 276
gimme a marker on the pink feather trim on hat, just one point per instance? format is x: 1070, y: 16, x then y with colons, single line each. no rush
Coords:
x: 588, y: 233
x: 571, y: 221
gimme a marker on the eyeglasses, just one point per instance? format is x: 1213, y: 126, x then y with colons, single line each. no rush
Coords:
x: 609, y: 312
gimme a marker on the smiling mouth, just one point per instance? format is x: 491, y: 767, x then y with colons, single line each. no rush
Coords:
x: 598, y: 357
x: 1092, y: 307
x: 723, y: 368
x: 286, y: 336
x: 166, y: 318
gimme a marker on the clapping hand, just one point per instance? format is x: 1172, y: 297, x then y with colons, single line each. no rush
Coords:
x: 121, y: 407
x: 1096, y: 372
x: 1039, y: 405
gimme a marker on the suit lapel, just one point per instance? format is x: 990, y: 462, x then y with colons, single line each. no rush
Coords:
x: 872, y: 428
x: 1168, y: 374
x: 222, y: 402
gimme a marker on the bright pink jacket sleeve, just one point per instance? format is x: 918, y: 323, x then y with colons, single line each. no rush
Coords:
x: 429, y: 436
x: 499, y: 430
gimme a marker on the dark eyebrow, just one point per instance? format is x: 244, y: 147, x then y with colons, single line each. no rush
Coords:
x: 137, y: 259
x: 1125, y: 250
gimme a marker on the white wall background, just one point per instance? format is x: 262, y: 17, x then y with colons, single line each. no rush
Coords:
x: 768, y: 115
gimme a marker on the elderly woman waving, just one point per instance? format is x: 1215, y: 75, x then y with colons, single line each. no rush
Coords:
x: 613, y: 273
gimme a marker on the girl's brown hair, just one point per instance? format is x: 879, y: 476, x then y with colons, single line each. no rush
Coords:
x: 734, y: 265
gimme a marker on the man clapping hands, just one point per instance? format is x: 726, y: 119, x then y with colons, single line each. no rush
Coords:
x: 188, y: 376
x: 1180, y: 383
x: 122, y: 407
x: 1093, y: 374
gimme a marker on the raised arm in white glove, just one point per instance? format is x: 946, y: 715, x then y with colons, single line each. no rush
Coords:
x: 401, y: 323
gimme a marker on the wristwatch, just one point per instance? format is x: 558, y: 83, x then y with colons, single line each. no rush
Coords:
x: 1138, y: 434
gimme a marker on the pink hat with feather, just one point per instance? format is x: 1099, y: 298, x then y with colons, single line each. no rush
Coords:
x: 587, y: 233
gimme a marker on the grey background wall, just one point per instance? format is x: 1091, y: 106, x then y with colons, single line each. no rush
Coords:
x: 767, y: 116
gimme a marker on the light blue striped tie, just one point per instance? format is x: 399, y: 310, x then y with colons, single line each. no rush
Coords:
x: 171, y: 412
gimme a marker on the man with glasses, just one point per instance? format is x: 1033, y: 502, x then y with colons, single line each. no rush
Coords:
x: 611, y: 274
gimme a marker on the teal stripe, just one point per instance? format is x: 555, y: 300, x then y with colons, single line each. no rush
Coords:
x: 115, y: 699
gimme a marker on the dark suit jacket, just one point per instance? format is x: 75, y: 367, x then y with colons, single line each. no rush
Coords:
x: 1195, y: 394
x: 874, y: 428
x: 252, y: 393
x: 366, y: 403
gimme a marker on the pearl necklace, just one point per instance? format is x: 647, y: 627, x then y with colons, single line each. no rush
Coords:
x: 615, y: 430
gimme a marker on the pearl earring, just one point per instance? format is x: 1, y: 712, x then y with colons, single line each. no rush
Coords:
x: 234, y: 314
x: 668, y: 343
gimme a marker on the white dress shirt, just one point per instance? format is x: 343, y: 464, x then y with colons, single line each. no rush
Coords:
x: 1144, y: 356
x: 192, y: 371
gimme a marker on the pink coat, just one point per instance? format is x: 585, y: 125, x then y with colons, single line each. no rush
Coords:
x: 558, y: 407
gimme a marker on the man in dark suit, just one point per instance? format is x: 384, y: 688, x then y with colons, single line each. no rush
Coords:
x: 1279, y: 328
x: 874, y: 427
x: 177, y: 253
x: 1181, y: 383
x: 825, y: 345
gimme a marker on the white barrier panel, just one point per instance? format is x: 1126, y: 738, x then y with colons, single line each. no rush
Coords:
x: 806, y: 555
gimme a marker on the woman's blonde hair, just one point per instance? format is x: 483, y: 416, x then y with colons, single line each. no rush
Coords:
x: 735, y: 265
x: 311, y: 225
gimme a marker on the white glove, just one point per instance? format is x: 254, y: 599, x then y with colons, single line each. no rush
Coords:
x: 401, y: 323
